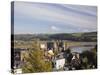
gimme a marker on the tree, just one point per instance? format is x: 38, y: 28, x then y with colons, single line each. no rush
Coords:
x: 89, y: 58
x: 35, y: 61
x: 68, y: 51
x: 94, y: 50
x: 68, y: 55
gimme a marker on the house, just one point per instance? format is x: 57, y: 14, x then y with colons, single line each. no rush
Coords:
x: 18, y: 71
x: 59, y: 63
x: 76, y: 62
x: 18, y: 57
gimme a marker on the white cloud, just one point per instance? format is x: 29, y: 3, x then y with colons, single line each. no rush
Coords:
x: 65, y: 15
x: 55, y: 28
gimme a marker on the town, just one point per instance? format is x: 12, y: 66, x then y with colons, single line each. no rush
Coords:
x: 51, y: 37
x: 57, y: 52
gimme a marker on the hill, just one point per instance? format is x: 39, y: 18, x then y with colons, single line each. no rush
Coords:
x: 87, y: 36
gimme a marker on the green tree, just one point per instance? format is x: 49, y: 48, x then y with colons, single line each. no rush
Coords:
x: 89, y: 58
x: 68, y: 55
x: 35, y: 61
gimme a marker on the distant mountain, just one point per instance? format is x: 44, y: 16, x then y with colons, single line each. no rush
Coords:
x: 87, y: 36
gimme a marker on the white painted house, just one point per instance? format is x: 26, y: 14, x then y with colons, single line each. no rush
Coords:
x: 18, y: 71
x: 59, y: 63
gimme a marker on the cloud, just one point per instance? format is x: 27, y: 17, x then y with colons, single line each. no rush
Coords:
x: 55, y: 28
x: 77, y: 16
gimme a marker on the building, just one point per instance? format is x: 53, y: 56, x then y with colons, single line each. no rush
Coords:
x: 76, y: 62
x: 18, y: 57
x: 59, y: 61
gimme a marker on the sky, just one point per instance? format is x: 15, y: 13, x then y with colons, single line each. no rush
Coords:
x: 36, y: 18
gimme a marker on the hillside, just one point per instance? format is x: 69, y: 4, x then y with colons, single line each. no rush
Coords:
x: 89, y: 36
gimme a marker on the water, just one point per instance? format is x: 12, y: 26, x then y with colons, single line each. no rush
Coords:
x: 88, y: 46
x: 81, y: 49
